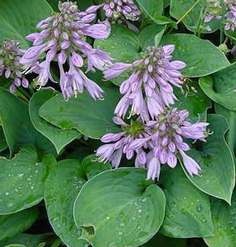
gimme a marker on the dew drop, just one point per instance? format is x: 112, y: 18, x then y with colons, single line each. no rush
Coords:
x: 199, y: 208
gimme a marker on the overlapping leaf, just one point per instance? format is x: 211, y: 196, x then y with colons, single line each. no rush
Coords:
x: 60, y: 138
x: 21, y: 181
x: 91, y: 118
x: 217, y: 176
x: 119, y: 201
x: 10, y: 225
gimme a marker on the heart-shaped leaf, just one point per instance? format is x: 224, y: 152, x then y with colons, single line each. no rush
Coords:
x: 21, y: 181
x: 119, y: 201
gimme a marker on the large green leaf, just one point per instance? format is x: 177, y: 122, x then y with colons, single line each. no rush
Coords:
x: 217, y: 176
x: 122, y: 45
x: 10, y: 225
x: 21, y: 181
x: 19, y: 18
x: 221, y: 87
x: 224, y: 220
x: 60, y: 138
x: 119, y: 208
x: 61, y: 190
x: 199, y: 64
x: 191, y: 13
x: 91, y: 118
x: 17, y: 128
x: 188, y: 211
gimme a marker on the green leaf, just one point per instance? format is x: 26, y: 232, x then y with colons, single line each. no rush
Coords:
x: 119, y: 208
x: 224, y: 220
x: 188, y: 211
x: 91, y: 118
x: 217, y: 176
x: 154, y: 9
x: 21, y: 181
x: 191, y: 13
x: 59, y: 138
x: 70, y: 175
x: 206, y: 62
x: 28, y: 240
x: 10, y: 225
x: 19, y: 18
x: 221, y: 87
x: 122, y: 45
x: 230, y: 116
x: 16, y: 124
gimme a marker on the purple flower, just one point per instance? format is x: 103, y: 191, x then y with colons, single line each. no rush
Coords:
x: 10, y: 67
x: 168, y: 139
x: 231, y: 18
x: 62, y: 39
x: 121, y: 10
x: 119, y: 143
x: 149, y: 89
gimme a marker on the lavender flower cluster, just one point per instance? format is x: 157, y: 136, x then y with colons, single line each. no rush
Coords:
x: 157, y: 133
x: 217, y: 10
x: 10, y: 67
x: 62, y: 39
x: 121, y: 10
